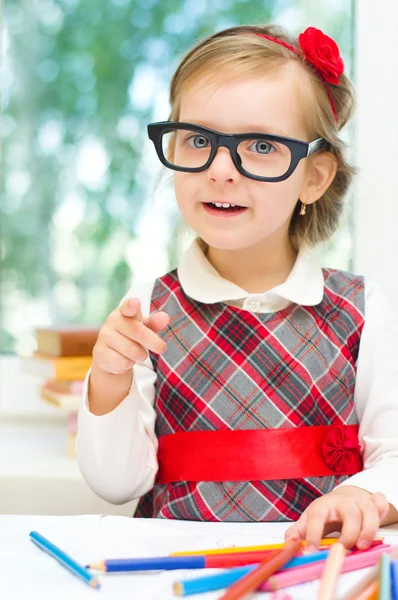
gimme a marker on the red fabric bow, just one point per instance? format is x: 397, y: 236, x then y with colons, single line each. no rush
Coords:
x: 341, y: 451
x: 323, y: 53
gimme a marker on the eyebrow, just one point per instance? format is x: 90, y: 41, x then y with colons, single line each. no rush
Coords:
x: 251, y: 128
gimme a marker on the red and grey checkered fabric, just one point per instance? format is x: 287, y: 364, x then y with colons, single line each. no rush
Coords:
x: 228, y: 368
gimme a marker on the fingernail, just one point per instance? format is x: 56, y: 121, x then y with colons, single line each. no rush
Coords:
x: 311, y: 547
x: 363, y: 544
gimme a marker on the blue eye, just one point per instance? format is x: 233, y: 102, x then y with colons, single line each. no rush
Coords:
x: 199, y: 141
x: 262, y: 147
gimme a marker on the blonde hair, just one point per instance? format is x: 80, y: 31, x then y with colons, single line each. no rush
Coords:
x: 236, y: 51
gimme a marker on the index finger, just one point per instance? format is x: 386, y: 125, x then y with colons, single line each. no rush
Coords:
x: 140, y: 333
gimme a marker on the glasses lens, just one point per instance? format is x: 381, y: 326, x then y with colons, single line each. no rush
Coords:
x: 185, y: 148
x: 264, y: 158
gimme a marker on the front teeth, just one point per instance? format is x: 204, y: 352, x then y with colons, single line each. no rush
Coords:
x: 221, y: 205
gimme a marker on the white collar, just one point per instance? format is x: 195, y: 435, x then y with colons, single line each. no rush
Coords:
x: 201, y: 282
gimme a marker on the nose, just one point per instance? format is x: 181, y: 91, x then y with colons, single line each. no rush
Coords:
x: 222, y: 168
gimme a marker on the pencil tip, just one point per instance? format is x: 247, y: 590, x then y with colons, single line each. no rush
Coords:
x: 97, y: 566
x: 177, y: 589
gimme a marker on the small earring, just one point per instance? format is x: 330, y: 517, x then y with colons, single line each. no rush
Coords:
x: 303, y: 208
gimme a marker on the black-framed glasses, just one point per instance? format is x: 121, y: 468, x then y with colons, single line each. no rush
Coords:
x: 261, y: 156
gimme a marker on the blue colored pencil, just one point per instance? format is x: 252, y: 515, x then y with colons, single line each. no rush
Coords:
x: 223, y: 580
x: 385, y: 578
x: 161, y: 563
x: 65, y: 560
x: 211, y: 583
x: 306, y: 559
x: 394, y: 579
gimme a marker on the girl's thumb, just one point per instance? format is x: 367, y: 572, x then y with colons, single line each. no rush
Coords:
x: 131, y: 307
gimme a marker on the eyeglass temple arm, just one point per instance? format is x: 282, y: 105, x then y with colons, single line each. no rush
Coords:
x: 315, y: 145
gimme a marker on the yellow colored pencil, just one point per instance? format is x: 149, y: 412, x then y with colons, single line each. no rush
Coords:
x: 323, y: 542
x: 333, y: 566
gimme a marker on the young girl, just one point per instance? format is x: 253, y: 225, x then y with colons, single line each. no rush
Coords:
x: 249, y: 384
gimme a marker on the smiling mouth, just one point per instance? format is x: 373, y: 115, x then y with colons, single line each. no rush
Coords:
x: 223, y: 208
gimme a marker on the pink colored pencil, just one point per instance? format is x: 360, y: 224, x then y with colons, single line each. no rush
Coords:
x: 306, y: 573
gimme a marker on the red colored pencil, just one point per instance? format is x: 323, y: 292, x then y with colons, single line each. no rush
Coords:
x: 236, y: 559
x: 374, y: 544
x: 255, y: 578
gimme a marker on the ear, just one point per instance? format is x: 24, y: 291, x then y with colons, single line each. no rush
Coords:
x: 321, y: 172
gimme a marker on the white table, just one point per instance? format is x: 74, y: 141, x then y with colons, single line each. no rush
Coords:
x: 27, y: 572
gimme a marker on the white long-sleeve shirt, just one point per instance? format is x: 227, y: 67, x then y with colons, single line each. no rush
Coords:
x: 117, y: 451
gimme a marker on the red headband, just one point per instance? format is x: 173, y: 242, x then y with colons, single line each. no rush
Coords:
x: 323, y: 55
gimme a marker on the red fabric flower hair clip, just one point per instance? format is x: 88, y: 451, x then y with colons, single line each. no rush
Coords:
x: 322, y: 53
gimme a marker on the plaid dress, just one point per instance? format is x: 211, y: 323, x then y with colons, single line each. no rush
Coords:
x: 228, y: 368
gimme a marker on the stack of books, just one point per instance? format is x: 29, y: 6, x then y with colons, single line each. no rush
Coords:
x: 62, y: 359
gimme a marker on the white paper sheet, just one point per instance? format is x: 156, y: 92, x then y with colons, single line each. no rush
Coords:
x: 27, y: 572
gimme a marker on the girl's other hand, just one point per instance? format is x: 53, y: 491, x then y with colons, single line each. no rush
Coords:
x: 349, y: 509
x: 126, y: 337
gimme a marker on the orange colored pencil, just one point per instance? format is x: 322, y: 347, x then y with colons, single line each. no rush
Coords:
x: 361, y: 587
x: 334, y: 563
x: 255, y: 578
x: 371, y: 592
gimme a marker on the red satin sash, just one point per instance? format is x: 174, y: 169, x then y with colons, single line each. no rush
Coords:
x: 260, y: 454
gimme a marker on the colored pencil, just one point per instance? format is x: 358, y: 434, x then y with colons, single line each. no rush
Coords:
x: 306, y: 573
x: 253, y: 580
x: 218, y: 561
x: 65, y: 560
x: 384, y: 578
x: 371, y: 592
x: 362, y: 587
x: 160, y: 563
x: 331, y: 572
x: 394, y: 579
x: 374, y: 544
x: 374, y: 594
x: 211, y: 583
x: 371, y: 576
x: 279, y: 546
x: 169, y: 563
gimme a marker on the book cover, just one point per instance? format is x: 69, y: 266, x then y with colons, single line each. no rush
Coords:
x: 63, y: 368
x: 68, y: 402
x: 71, y: 340
x: 65, y: 387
